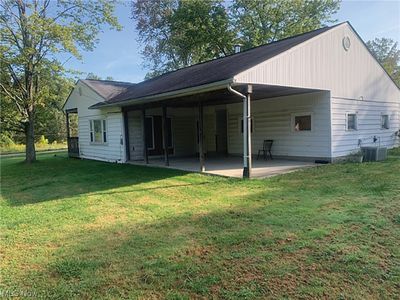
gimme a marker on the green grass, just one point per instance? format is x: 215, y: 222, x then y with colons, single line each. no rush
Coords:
x: 84, y: 229
x: 20, y: 148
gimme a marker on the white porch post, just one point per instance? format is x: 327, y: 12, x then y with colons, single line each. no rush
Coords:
x: 247, y: 163
x: 201, y: 138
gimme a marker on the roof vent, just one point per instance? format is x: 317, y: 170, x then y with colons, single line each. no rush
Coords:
x: 346, y: 43
x: 238, y: 48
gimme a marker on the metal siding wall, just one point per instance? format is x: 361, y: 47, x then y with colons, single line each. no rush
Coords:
x: 322, y: 63
x: 112, y: 150
x: 272, y: 120
x: 369, y: 124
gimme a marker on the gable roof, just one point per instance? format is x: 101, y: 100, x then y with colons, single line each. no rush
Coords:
x: 208, y: 72
x: 107, y: 89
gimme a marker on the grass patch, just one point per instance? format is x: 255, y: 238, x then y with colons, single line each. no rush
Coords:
x: 85, y: 229
x: 20, y: 148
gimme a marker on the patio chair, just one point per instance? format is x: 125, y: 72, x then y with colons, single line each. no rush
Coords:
x: 266, y: 150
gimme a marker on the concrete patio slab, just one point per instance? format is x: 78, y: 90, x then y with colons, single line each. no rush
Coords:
x: 231, y: 166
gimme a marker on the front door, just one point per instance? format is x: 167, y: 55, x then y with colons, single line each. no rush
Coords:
x: 221, y: 141
x: 154, y: 135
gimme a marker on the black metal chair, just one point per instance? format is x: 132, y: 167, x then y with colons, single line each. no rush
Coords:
x: 266, y: 150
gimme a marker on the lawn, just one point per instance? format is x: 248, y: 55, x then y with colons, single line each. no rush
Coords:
x: 84, y: 229
x: 20, y: 148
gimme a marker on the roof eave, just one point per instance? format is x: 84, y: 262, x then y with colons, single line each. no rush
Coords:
x: 164, y: 96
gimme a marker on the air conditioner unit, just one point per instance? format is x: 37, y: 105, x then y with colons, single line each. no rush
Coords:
x: 374, y: 153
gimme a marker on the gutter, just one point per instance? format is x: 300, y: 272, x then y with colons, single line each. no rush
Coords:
x: 177, y: 93
x: 246, y: 129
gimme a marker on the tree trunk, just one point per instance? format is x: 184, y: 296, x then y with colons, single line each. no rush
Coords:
x: 30, y: 152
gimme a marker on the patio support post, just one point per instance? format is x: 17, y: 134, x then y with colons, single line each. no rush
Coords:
x: 126, y: 132
x: 247, y: 134
x: 201, y: 138
x: 165, y: 135
x: 145, y: 156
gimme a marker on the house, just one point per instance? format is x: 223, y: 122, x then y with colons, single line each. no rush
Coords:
x: 318, y: 96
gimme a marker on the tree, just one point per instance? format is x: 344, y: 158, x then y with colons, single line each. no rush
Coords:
x: 34, y: 35
x: 179, y: 33
x: 387, y: 53
x: 91, y: 75
x: 259, y: 22
x: 49, y: 117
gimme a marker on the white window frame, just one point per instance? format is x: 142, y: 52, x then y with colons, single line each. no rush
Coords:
x: 240, y: 120
x: 388, y: 119
x: 301, y: 114
x: 347, y: 121
x: 104, y: 129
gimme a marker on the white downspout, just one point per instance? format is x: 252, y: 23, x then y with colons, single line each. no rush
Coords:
x: 246, y: 134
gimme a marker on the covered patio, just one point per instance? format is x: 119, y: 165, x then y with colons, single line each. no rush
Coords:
x: 230, y: 166
x: 220, y: 164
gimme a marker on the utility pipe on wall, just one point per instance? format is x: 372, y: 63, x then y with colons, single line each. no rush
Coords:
x: 246, y: 129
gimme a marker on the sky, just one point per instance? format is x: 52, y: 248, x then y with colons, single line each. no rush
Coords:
x: 118, y: 52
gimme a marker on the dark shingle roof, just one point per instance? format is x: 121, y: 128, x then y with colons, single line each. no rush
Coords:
x: 107, y: 88
x: 219, y: 69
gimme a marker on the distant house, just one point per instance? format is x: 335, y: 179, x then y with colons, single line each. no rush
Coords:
x: 318, y: 95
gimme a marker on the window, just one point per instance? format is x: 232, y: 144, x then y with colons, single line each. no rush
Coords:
x: 385, y: 121
x: 351, y: 122
x: 154, y: 133
x: 98, y: 131
x: 251, y: 125
x: 149, y: 133
x: 301, y: 122
x: 169, y: 137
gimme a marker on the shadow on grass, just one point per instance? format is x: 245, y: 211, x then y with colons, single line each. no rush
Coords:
x: 247, y: 251
x: 56, y: 177
x: 323, y: 235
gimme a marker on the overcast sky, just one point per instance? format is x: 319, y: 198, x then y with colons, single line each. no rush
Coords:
x: 118, y: 53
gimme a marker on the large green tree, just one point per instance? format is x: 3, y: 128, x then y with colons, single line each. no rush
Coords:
x: 179, y: 33
x: 387, y: 53
x: 263, y: 21
x: 35, y: 34
x: 49, y: 117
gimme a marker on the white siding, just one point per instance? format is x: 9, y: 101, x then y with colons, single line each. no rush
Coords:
x: 355, y: 79
x: 272, y: 120
x: 82, y: 97
x: 369, y: 124
x: 111, y: 151
x: 322, y: 63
